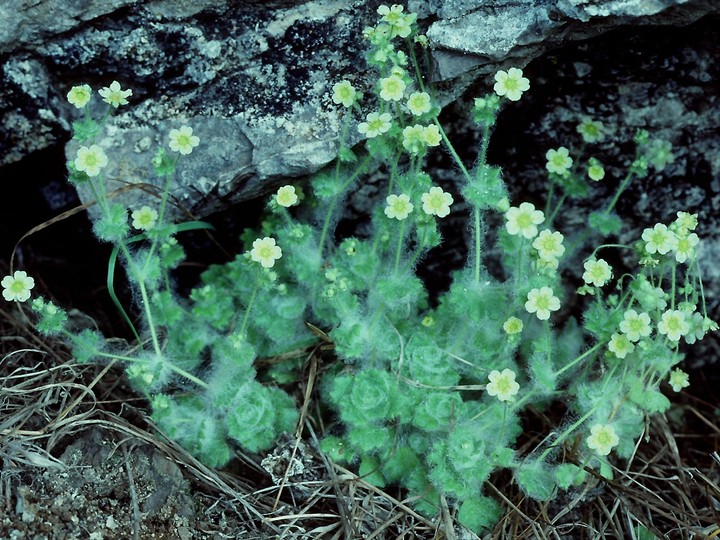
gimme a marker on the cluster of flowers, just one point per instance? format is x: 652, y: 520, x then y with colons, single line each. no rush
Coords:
x: 91, y: 160
x: 502, y: 385
x: 559, y: 161
x: 679, y: 238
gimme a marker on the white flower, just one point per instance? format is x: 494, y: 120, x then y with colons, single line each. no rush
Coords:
x: 114, y: 95
x: 513, y: 325
x: 431, y: 135
x: 597, y: 272
x: 392, y: 88
x: 144, y: 218
x: 673, y: 324
x: 635, y: 325
x: 620, y: 345
x: 685, y: 247
x: 523, y: 220
x: 602, y: 439
x: 398, y: 207
x: 659, y: 239
x: 265, y: 251
x: 344, y: 94
x: 660, y: 154
x: 79, y: 95
x: 541, y: 302
x: 685, y: 222
x: 558, y: 161
x: 436, y: 202
x: 182, y: 140
x: 697, y: 327
x: 419, y: 103
x: 549, y: 245
x: 399, y: 22
x: 375, y: 124
x: 595, y: 170
x: 414, y: 138
x: 17, y: 287
x: 511, y: 84
x: 502, y: 385
x: 286, y: 196
x: 90, y: 160
x: 591, y: 130
x: 679, y: 380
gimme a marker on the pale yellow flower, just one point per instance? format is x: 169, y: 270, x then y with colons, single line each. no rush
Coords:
x: 114, y: 95
x: 265, y: 252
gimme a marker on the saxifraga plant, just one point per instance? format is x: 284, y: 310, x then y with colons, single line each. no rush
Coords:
x: 427, y: 396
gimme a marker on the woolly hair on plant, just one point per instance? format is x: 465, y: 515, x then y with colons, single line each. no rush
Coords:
x: 537, y: 479
x: 479, y: 513
x: 257, y: 414
x: 427, y: 364
x: 193, y: 358
x: 430, y: 398
x: 436, y: 411
x: 190, y: 422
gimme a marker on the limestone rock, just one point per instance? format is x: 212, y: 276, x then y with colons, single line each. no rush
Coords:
x: 253, y: 78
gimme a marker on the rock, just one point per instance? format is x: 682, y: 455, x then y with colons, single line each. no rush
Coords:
x: 252, y: 79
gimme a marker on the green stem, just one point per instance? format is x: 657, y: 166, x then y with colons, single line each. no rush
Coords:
x: 557, y: 209
x: 418, y: 251
x: 331, y: 206
x: 248, y: 309
x: 580, y: 358
x: 624, y: 184
x: 452, y: 151
x: 416, y: 65
x: 179, y: 371
x: 502, y: 427
x: 576, y: 424
x: 672, y: 289
x: 602, y: 246
x: 521, y: 250
x: 482, y: 157
x: 398, y: 250
x: 148, y: 314
x: 476, y: 216
x: 551, y: 191
x: 567, y: 432
x: 700, y: 286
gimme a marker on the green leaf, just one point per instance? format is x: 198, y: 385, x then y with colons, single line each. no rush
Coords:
x: 536, y: 480
x: 643, y: 533
x: 371, y: 439
x: 187, y: 420
x: 543, y: 373
x: 436, y: 411
x: 370, y: 399
x: 86, y: 345
x: 606, y: 224
x: 606, y: 470
x: 429, y: 365
x: 326, y: 185
x: 479, y: 513
x: 650, y: 400
x: 370, y: 471
x: 337, y: 450
x: 163, y: 163
x: 567, y: 475
x: 486, y: 189
x: 401, y: 463
x: 85, y: 130
x: 113, y: 224
x: 346, y: 155
x: 251, y: 418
